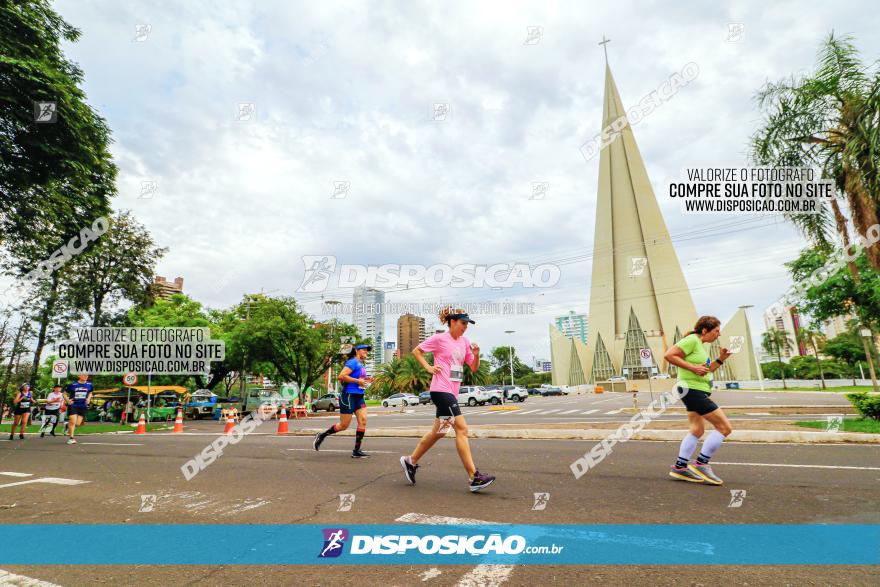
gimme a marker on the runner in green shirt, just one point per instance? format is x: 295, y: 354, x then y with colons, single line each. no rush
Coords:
x: 694, y: 386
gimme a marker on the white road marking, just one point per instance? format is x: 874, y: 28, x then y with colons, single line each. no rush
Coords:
x: 7, y: 578
x: 547, y: 412
x: 13, y: 474
x: 480, y: 575
x: 52, y: 480
x: 387, y: 452
x: 614, y: 411
x: 589, y: 412
x: 430, y: 574
x: 111, y: 443
x: 528, y: 412
x: 568, y: 412
x: 801, y: 466
x: 486, y: 576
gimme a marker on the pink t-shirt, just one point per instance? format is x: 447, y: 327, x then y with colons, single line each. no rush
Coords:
x: 450, y: 355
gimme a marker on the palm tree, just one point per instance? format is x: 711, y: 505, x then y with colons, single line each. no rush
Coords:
x: 386, y: 377
x: 775, y: 341
x: 810, y: 335
x: 828, y: 121
x: 412, y: 376
x: 480, y: 377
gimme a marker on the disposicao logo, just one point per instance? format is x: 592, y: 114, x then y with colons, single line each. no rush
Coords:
x: 334, y: 541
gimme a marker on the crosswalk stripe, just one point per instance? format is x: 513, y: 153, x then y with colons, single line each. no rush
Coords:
x: 589, y: 412
x: 547, y: 412
x: 615, y: 411
x: 568, y: 412
x: 528, y: 412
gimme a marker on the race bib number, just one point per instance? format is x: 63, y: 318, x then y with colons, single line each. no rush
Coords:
x: 455, y: 373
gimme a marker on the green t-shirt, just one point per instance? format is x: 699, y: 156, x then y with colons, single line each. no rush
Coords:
x: 695, y: 354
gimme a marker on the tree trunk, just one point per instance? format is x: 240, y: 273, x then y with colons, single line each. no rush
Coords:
x: 864, y: 211
x: 12, y: 361
x: 818, y: 361
x: 45, y: 319
x: 96, y: 321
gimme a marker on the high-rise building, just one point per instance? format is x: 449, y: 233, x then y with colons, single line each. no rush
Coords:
x: 573, y: 325
x: 369, y: 319
x: 390, y: 351
x: 789, y: 323
x: 410, y: 332
x: 162, y: 288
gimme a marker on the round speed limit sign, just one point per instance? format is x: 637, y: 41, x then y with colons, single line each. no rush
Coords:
x: 130, y: 378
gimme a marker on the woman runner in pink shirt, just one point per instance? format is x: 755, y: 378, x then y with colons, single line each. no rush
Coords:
x: 452, y: 351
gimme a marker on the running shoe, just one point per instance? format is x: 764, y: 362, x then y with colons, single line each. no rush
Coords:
x: 409, y: 469
x: 480, y: 481
x: 71, y: 441
x: 51, y: 433
x: 12, y: 436
x: 685, y: 474
x: 21, y: 436
x: 705, y: 471
x: 42, y: 433
x: 359, y: 454
x: 319, y: 438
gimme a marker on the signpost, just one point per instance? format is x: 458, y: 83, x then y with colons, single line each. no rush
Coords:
x: 128, y: 380
x: 59, y: 370
x: 648, y: 363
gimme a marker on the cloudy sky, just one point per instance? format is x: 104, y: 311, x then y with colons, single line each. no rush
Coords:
x: 345, y: 92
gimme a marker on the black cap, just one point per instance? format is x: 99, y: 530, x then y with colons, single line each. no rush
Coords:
x: 464, y: 317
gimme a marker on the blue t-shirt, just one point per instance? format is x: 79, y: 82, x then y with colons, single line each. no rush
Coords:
x: 78, y: 392
x: 357, y: 372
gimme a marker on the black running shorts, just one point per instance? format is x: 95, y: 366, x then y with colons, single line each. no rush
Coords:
x: 697, y: 401
x: 447, y: 404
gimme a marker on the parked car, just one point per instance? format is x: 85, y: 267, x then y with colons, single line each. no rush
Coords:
x: 405, y: 399
x: 534, y: 391
x: 515, y: 393
x: 545, y: 391
x: 327, y: 402
x: 473, y: 395
x: 495, y: 395
x: 201, y: 404
x: 425, y: 397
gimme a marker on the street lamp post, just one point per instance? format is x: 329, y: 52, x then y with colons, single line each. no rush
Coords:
x: 511, y: 358
x: 332, y: 379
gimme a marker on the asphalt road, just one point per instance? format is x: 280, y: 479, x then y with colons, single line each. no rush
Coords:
x: 274, y: 480
x: 607, y: 407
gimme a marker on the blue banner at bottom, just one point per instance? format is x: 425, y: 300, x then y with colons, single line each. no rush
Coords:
x: 405, y: 544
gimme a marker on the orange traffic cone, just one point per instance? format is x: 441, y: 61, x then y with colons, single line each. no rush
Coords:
x: 142, y: 425
x: 178, y: 422
x: 282, y: 421
x: 230, y: 424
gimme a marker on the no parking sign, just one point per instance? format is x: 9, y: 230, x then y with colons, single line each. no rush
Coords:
x: 59, y: 369
x: 645, y: 357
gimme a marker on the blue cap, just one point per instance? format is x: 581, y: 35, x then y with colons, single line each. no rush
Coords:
x: 363, y: 346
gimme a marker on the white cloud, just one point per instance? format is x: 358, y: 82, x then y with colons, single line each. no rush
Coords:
x: 346, y: 91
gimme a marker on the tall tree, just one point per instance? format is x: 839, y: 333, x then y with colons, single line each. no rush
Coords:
x: 829, y: 120
x: 812, y: 337
x: 55, y: 161
x: 120, y: 264
x: 776, y: 341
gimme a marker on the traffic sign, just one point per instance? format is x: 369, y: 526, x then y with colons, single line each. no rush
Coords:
x: 130, y: 378
x: 645, y: 357
x: 59, y: 369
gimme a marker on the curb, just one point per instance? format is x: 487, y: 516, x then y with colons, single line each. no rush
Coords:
x: 768, y: 436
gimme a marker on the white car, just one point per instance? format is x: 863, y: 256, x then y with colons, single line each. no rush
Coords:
x: 617, y: 379
x: 400, y: 399
x: 474, y: 394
